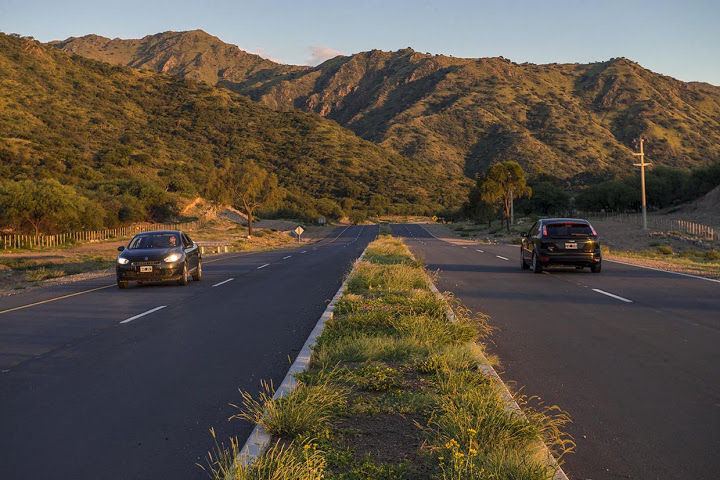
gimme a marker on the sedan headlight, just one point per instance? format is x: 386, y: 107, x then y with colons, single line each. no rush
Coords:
x: 123, y: 261
x: 172, y: 258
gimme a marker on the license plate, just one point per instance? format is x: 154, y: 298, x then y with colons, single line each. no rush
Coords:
x: 145, y: 269
x: 571, y: 246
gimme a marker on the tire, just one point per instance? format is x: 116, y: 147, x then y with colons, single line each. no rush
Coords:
x: 535, y: 265
x: 184, y: 279
x: 122, y: 284
x: 198, y: 272
x: 523, y: 265
x: 596, y: 268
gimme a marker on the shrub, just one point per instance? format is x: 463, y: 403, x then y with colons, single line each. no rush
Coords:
x: 306, y: 409
x: 712, y: 255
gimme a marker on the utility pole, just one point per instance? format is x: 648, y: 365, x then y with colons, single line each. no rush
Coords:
x: 512, y: 207
x: 642, y: 166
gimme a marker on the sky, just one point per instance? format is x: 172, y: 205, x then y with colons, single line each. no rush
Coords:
x: 676, y: 38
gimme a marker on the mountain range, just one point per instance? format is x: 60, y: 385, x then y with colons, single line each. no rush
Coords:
x: 139, y: 144
x: 575, y: 121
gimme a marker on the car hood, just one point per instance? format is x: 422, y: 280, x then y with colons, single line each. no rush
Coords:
x: 151, y: 253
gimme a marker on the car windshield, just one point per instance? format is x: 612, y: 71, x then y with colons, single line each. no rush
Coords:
x: 155, y: 240
x: 568, y: 230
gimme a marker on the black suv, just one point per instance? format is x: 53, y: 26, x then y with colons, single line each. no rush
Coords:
x: 157, y: 256
x: 560, y: 241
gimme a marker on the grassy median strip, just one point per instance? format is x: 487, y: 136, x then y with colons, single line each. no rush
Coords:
x: 395, y: 391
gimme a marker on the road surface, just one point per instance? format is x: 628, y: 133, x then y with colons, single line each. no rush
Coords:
x: 632, y: 354
x: 125, y: 384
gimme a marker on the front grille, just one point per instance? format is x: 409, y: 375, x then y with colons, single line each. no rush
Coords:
x: 144, y: 264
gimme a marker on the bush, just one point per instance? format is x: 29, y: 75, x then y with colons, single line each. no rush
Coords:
x: 712, y: 255
x: 307, y: 409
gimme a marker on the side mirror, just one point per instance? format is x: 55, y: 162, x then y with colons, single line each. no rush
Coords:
x: 523, y: 234
x: 121, y: 248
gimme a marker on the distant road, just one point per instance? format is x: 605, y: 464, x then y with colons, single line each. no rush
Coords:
x: 125, y: 384
x: 632, y: 354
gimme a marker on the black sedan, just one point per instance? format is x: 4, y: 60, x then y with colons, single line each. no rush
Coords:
x: 158, y: 256
x: 561, y: 241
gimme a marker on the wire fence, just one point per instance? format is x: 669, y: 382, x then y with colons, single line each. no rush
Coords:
x: 14, y: 241
x: 664, y: 224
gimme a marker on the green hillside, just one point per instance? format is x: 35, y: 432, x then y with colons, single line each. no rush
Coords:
x: 139, y: 145
x: 576, y: 121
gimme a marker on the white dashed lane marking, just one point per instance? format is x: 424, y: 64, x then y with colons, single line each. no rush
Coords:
x: 143, y: 314
x: 611, y: 295
x: 223, y: 282
x: 263, y: 266
x: 498, y: 256
x: 285, y: 258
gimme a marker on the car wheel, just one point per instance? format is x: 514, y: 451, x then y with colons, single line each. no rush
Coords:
x: 122, y: 283
x: 184, y: 279
x: 536, y: 266
x: 523, y: 264
x: 596, y: 268
x: 198, y: 272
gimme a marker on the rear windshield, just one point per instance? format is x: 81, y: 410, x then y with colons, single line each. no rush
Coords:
x: 156, y: 240
x: 568, y: 230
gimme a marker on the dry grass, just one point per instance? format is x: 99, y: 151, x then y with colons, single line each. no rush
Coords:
x: 306, y: 409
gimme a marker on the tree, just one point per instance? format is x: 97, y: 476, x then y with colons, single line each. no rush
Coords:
x: 253, y: 187
x: 41, y: 204
x: 476, y: 208
x: 548, y: 198
x: 502, y: 183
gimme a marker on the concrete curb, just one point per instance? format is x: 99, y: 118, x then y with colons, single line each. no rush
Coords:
x: 259, y: 438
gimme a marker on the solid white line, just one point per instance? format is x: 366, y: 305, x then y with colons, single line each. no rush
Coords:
x: 480, y: 251
x: 263, y: 266
x: 223, y: 282
x: 143, y: 314
x: 611, y: 295
x: 498, y: 256
x: 285, y: 258
x: 664, y: 271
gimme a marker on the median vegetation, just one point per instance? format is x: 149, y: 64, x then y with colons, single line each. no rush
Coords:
x: 395, y: 390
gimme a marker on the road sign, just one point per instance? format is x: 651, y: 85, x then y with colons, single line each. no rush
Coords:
x: 434, y: 218
x: 299, y: 230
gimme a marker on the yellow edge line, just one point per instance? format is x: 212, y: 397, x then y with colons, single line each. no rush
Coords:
x: 54, y: 299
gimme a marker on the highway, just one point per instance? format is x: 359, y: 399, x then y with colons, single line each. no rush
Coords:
x: 632, y: 354
x: 98, y: 382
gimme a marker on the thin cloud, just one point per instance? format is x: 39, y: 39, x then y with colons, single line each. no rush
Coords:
x: 264, y: 54
x: 320, y: 54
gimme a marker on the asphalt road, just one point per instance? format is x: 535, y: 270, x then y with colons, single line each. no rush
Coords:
x: 640, y: 379
x: 85, y: 393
